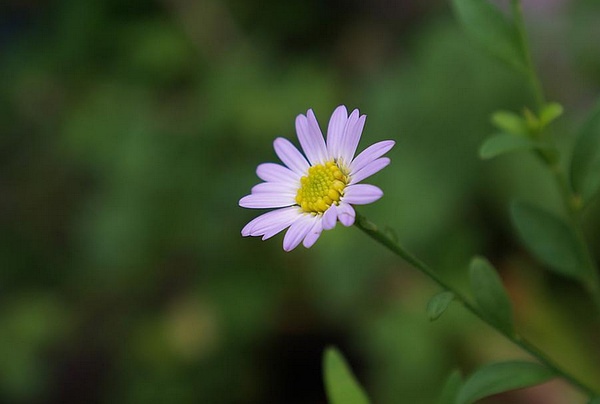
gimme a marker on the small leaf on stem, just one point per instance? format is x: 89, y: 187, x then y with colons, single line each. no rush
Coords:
x: 550, y: 112
x: 438, y: 304
x: 490, y: 295
x: 451, y: 388
x: 505, y: 143
x: 500, y: 377
x: 509, y: 122
x: 549, y: 238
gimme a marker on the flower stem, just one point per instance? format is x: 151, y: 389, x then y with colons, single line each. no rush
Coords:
x: 570, y: 200
x: 389, y: 241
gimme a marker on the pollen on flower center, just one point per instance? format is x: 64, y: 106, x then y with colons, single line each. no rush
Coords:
x: 323, y: 186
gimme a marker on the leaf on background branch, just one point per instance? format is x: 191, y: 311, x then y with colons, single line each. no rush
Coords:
x: 509, y: 122
x: 585, y: 162
x: 549, y: 239
x: 506, y: 143
x: 490, y: 295
x: 438, y: 304
x: 340, y: 383
x: 488, y: 26
x: 501, y: 377
x: 550, y: 112
x: 451, y: 388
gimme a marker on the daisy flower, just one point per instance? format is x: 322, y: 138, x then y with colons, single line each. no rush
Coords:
x: 311, y: 192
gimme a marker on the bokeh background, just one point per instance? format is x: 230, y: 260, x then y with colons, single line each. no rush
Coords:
x: 130, y: 129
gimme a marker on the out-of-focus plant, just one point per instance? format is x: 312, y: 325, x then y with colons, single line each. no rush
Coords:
x: 557, y: 242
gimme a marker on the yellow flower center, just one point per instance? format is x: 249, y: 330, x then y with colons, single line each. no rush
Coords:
x: 323, y: 186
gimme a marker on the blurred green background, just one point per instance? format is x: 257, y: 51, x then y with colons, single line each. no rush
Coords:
x: 129, y: 131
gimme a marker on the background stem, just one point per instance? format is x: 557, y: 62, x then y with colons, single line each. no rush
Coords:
x: 572, y: 207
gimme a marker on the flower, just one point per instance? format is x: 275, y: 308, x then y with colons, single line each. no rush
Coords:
x: 312, y: 193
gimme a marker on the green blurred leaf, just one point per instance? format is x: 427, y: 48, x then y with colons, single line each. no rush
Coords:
x: 533, y: 123
x: 585, y: 163
x: 487, y: 25
x: 500, y: 377
x: 550, y: 112
x: 549, y: 239
x: 505, y: 143
x: 594, y: 400
x: 438, y: 304
x: 340, y: 384
x: 451, y: 388
x: 509, y: 122
x: 490, y: 295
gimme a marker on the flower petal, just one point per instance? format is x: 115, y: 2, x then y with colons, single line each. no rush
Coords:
x: 330, y: 218
x: 264, y: 222
x: 275, y: 188
x: 285, y: 222
x: 266, y: 200
x: 276, y: 173
x: 346, y: 214
x: 314, y: 234
x: 290, y: 156
x: 369, y: 170
x: 352, y: 134
x: 297, y: 231
x: 311, y: 138
x: 335, y: 130
x: 370, y: 154
x: 361, y: 194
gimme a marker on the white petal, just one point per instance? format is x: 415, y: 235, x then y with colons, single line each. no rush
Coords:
x: 276, y: 173
x: 311, y: 138
x: 335, y: 130
x: 276, y: 188
x: 260, y: 224
x: 361, y: 194
x: 369, y: 169
x: 266, y: 200
x: 314, y: 233
x: 346, y: 214
x: 297, y: 231
x: 352, y: 134
x: 370, y: 154
x: 290, y: 156
x: 330, y: 218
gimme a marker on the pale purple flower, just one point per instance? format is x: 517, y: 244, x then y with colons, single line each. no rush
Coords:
x: 310, y: 194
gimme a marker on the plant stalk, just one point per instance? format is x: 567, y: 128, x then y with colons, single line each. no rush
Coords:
x: 388, y: 241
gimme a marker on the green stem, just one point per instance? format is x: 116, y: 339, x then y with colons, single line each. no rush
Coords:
x: 592, y: 284
x: 388, y: 241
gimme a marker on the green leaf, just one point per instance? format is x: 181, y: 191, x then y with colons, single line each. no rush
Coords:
x: 595, y: 400
x: 509, y: 122
x: 585, y: 163
x: 488, y: 26
x: 438, y: 304
x: 505, y: 143
x: 550, y: 112
x: 490, y: 295
x: 451, y: 388
x: 500, y: 377
x: 549, y: 239
x: 340, y: 384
